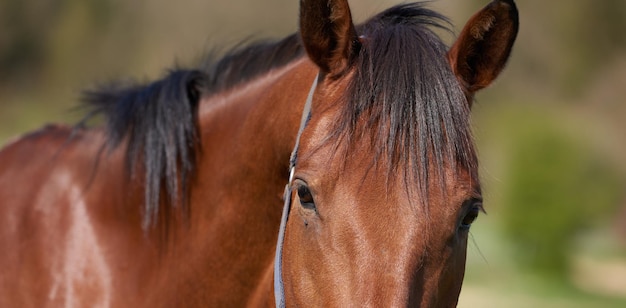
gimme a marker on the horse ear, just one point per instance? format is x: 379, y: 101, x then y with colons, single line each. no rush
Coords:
x: 328, y: 34
x: 483, y: 47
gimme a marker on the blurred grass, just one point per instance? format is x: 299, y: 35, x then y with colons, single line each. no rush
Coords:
x: 568, y: 69
x: 494, y: 280
x: 494, y: 277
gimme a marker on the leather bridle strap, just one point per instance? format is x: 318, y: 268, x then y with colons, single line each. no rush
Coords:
x: 279, y: 287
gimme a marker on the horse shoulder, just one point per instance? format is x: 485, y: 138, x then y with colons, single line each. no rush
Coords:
x: 54, y: 209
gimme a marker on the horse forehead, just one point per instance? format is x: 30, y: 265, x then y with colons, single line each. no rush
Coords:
x: 375, y: 180
x: 358, y: 161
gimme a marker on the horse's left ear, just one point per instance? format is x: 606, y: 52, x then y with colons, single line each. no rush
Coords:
x: 483, y: 47
x: 328, y: 34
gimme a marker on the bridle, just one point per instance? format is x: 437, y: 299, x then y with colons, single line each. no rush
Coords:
x: 279, y: 287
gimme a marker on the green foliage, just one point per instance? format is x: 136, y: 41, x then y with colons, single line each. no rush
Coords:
x: 558, y: 188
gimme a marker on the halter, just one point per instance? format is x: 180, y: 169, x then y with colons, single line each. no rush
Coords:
x: 279, y: 287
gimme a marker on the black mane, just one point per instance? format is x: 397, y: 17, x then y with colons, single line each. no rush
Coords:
x: 159, y: 119
x: 402, y: 83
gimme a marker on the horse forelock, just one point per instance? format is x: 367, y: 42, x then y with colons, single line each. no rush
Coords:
x: 404, y: 93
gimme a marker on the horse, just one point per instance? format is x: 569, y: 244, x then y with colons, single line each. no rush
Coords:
x: 358, y: 136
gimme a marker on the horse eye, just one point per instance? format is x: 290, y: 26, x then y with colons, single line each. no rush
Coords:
x: 471, y: 216
x: 306, y: 198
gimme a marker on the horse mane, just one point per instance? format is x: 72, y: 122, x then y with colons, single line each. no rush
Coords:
x: 159, y: 123
x: 402, y: 82
x: 159, y: 119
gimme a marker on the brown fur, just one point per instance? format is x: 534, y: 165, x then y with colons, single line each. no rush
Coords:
x: 484, y: 45
x: 71, y: 219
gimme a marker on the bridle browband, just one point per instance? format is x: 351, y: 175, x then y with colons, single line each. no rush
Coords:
x: 279, y: 287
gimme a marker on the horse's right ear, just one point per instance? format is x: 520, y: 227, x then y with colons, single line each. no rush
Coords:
x: 483, y: 47
x: 328, y: 34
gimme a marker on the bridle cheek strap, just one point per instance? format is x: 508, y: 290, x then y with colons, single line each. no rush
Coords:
x: 279, y: 287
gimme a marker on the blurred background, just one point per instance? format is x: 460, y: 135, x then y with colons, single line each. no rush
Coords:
x: 551, y: 132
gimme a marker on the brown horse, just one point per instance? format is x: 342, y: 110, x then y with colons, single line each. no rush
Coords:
x: 176, y: 201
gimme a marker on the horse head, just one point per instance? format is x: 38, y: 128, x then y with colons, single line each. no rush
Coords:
x: 386, y: 186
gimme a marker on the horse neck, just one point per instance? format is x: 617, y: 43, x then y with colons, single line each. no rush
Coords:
x: 247, y: 136
x: 253, y: 127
